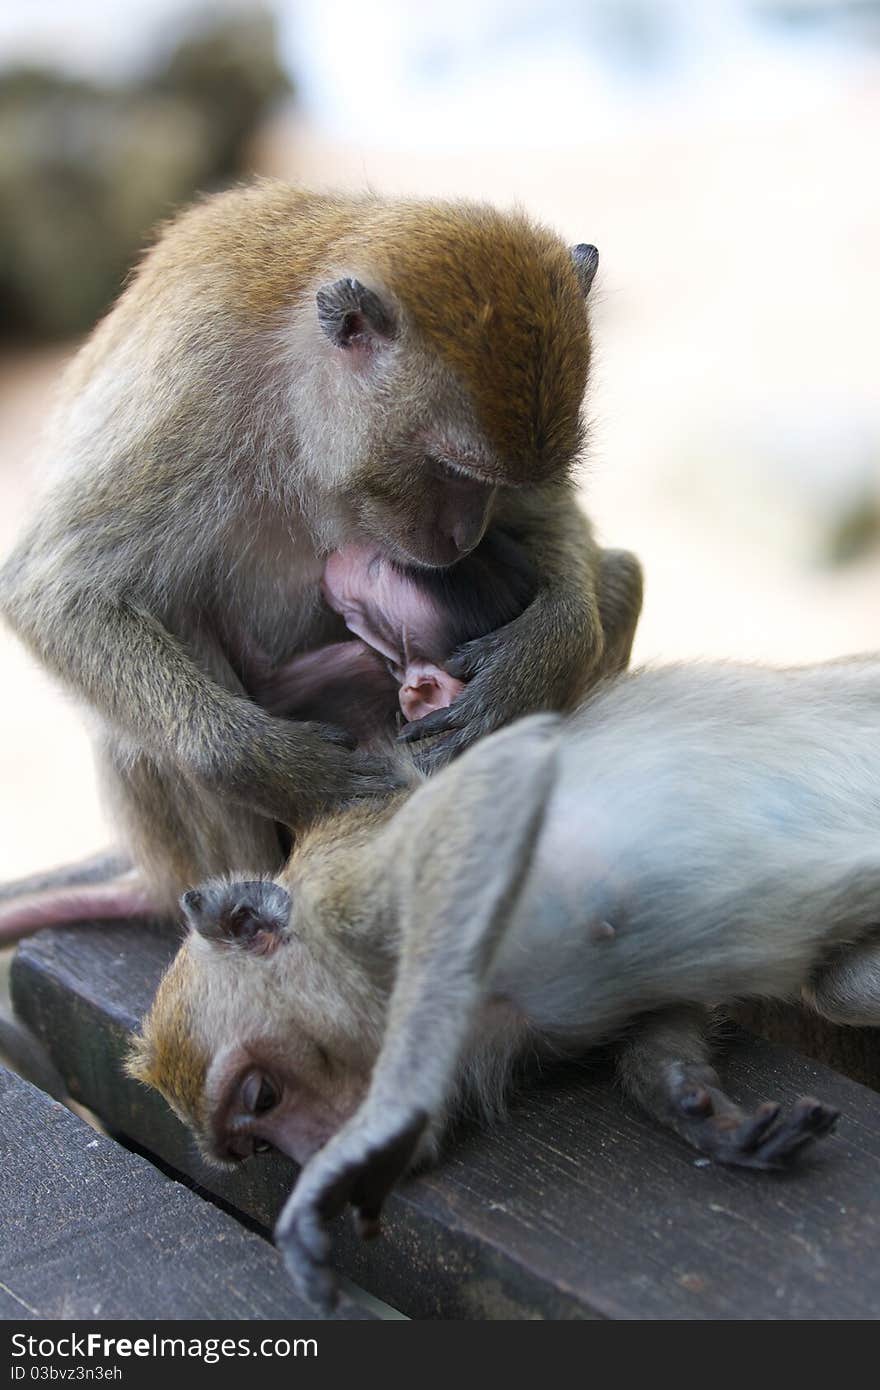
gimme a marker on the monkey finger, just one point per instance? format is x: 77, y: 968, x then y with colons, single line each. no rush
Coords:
x: 808, y: 1121
x: 301, y: 1225
x: 751, y: 1133
x: 314, y: 1281
x: 468, y: 661
x: 440, y: 721
x: 375, y: 777
x: 304, y: 1241
x: 766, y: 1140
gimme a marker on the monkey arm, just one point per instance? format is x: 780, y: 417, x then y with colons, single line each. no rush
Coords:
x: 452, y: 911
x: 548, y: 656
x: 147, y: 683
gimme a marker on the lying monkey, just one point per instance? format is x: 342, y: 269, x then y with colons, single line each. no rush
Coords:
x: 410, y: 621
x: 694, y: 835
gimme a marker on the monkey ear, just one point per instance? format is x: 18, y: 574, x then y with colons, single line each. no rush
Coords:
x: 586, y: 263
x: 353, y: 316
x: 250, y: 915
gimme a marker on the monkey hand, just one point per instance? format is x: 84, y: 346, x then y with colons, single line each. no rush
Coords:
x: 517, y: 670
x: 359, y: 1165
x: 295, y: 770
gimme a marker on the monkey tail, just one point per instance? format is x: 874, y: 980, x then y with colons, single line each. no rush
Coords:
x: 98, y: 868
x: 118, y: 899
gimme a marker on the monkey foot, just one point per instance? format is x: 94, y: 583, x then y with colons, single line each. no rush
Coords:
x: 768, y: 1139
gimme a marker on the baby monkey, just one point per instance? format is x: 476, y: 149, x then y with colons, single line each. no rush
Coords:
x: 408, y: 623
x: 692, y: 836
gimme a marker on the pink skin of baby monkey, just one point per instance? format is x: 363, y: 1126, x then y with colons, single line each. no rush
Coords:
x: 390, y: 661
x: 393, y: 617
x: 405, y: 624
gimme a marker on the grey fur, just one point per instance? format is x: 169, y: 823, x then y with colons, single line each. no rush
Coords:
x: 724, y: 820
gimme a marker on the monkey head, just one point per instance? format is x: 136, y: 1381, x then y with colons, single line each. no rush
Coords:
x: 247, y: 1038
x: 455, y: 359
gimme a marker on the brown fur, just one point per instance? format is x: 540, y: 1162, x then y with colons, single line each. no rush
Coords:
x: 214, y: 443
x: 498, y: 300
x: 171, y: 1060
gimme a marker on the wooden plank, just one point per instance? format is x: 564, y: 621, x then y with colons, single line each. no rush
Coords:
x: 854, y: 1051
x: 576, y: 1207
x: 90, y: 1230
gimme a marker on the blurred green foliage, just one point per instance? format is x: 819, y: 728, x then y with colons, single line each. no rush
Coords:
x: 855, y: 532
x: 87, y: 172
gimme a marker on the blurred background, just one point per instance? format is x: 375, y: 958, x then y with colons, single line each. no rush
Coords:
x: 723, y: 156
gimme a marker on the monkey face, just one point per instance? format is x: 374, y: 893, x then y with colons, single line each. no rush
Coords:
x: 455, y: 367
x: 264, y: 1096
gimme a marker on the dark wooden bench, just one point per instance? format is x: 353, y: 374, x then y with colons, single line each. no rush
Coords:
x: 90, y: 1230
x: 576, y: 1207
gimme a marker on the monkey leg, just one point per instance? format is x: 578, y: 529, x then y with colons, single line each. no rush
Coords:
x: 665, y: 1065
x: 620, y: 587
x: 846, y: 988
x: 181, y: 833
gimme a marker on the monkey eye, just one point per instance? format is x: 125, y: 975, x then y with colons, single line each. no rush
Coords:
x: 259, y: 1093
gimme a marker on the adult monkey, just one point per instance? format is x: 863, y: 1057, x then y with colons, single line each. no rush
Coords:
x: 288, y: 372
